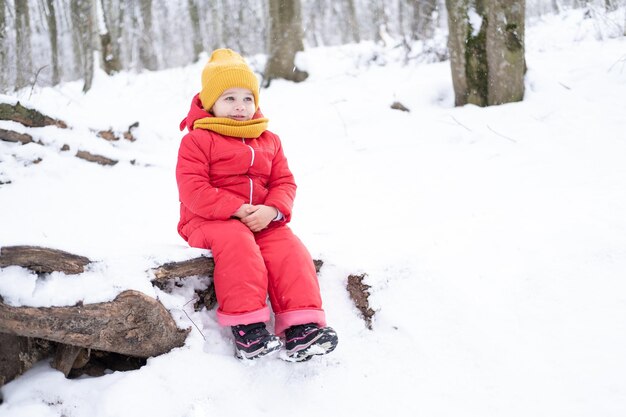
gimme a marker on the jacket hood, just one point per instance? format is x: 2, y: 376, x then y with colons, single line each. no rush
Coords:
x: 197, y: 112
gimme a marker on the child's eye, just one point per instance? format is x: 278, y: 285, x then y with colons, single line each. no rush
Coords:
x: 228, y: 98
x: 248, y: 99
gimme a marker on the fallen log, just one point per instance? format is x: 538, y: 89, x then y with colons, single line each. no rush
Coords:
x: 27, y: 117
x: 99, y: 159
x: 12, y: 136
x: 42, y: 260
x: 202, y: 265
x: 133, y: 324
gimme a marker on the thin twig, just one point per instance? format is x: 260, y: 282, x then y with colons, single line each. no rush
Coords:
x: 32, y: 87
x: 194, y: 323
x: 501, y: 135
x: 461, y: 124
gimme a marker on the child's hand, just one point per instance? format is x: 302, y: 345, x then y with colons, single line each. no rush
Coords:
x: 260, y: 216
x: 243, y: 211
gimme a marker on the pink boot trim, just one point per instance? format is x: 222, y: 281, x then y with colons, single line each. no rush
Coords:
x: 258, y: 316
x: 287, y: 319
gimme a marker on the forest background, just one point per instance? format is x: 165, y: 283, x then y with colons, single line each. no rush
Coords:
x: 46, y: 42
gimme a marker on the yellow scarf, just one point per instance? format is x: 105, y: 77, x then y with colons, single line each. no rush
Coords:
x: 224, y: 126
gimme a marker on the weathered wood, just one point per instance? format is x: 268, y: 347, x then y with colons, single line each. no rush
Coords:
x: 12, y: 136
x: 18, y: 354
x: 396, y: 105
x: 27, y: 117
x: 99, y: 159
x: 67, y: 355
x: 42, y: 260
x: 359, y: 293
x: 133, y: 324
x: 196, y: 266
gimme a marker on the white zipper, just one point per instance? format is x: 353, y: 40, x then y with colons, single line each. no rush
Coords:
x: 251, y: 163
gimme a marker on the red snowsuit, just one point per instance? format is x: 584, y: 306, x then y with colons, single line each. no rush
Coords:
x: 216, y: 174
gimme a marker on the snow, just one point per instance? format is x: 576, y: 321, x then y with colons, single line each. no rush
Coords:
x: 493, y: 239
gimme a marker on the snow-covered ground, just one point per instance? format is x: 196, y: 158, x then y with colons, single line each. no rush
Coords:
x: 494, y: 239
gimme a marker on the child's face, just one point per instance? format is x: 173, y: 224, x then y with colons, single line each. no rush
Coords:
x: 235, y: 103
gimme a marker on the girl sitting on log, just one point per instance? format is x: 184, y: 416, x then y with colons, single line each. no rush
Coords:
x: 236, y: 195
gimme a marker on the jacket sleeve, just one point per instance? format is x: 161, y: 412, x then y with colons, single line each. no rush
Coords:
x: 281, y: 185
x: 194, y: 186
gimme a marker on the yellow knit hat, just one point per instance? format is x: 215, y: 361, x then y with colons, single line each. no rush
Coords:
x: 226, y: 69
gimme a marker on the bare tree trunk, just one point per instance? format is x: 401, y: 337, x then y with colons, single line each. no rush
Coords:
x: 487, y: 62
x: 285, y: 41
x: 146, y: 48
x: 379, y: 16
x: 82, y: 12
x: 3, y: 48
x: 423, y: 25
x: 22, y: 32
x: 110, y: 49
x: 505, y: 51
x: 611, y: 5
x: 194, y: 15
x: 53, y: 34
x: 353, y: 22
x: 458, y: 29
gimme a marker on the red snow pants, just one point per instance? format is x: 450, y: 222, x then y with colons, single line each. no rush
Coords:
x: 250, y: 266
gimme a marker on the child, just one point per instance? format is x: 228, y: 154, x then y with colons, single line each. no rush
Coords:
x: 236, y: 193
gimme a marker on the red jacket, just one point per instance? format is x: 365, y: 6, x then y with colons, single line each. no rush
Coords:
x: 216, y: 174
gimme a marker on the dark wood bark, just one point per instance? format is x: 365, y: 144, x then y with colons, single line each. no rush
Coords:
x: 133, y: 324
x: 42, y: 260
x: 11, y: 136
x: 27, y: 117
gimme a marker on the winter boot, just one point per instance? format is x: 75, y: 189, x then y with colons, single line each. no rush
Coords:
x: 306, y: 340
x: 253, y: 341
